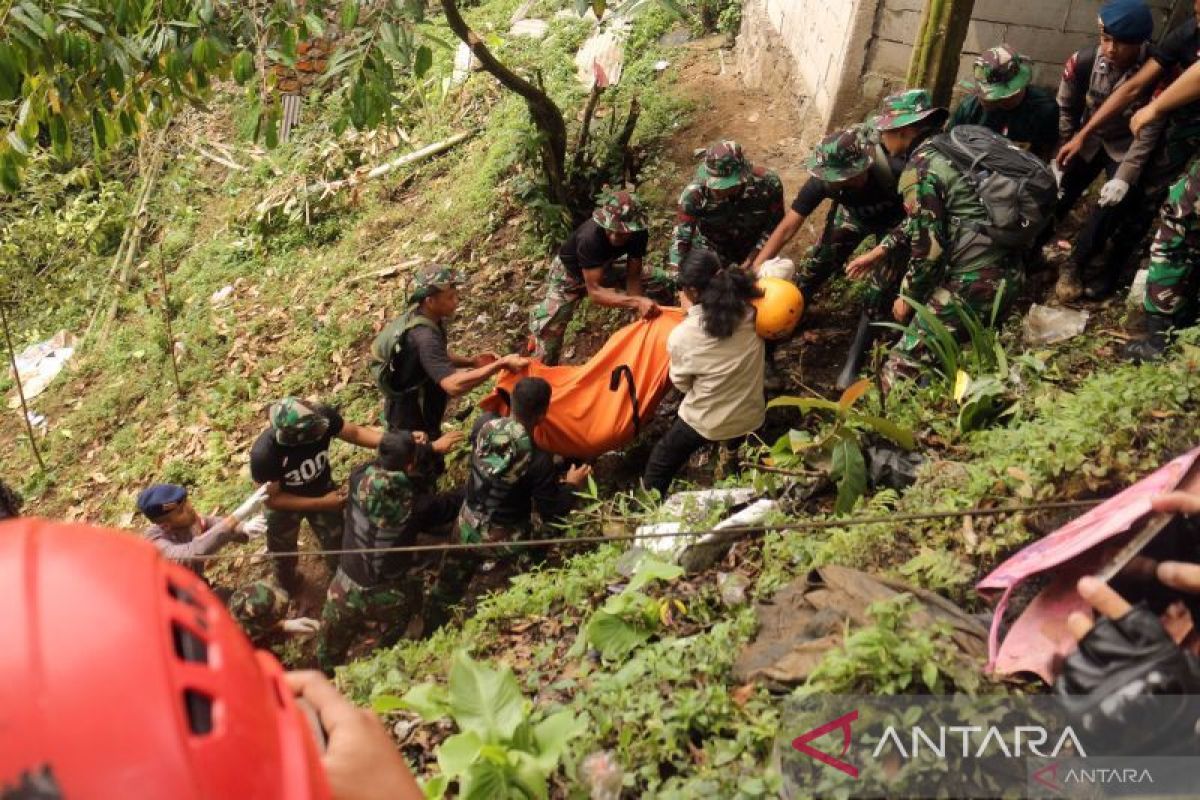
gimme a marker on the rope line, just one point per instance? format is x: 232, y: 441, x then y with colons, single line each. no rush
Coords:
x: 735, y: 532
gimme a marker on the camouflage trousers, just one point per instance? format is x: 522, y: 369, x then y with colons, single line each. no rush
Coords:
x: 458, y: 569
x: 549, y: 319
x: 283, y: 536
x: 833, y: 251
x: 350, y: 609
x: 973, y: 293
x: 1172, y: 281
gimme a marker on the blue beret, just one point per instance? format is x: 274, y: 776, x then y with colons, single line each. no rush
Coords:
x: 1127, y: 20
x: 152, y: 499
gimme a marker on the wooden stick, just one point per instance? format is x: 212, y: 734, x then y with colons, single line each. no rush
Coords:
x: 166, y: 308
x: 12, y: 357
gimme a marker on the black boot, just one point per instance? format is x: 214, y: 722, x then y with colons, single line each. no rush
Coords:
x: 863, y: 335
x: 1152, y: 347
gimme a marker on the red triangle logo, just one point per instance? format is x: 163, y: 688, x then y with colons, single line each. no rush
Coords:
x: 842, y: 723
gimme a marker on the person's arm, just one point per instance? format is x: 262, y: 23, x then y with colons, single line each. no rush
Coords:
x: 553, y: 498
x: 775, y: 218
x: 779, y: 238
x: 1183, y: 90
x: 686, y: 220
x: 212, y: 540
x: 925, y: 226
x: 464, y: 380
x: 677, y: 370
x: 1071, y: 102
x: 360, y: 758
x: 360, y: 435
x: 633, y: 276
x: 1117, y: 102
x: 280, y: 500
x: 1140, y: 149
x: 611, y: 298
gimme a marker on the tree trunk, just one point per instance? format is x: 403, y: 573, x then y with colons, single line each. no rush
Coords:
x: 546, y: 115
x: 935, y: 54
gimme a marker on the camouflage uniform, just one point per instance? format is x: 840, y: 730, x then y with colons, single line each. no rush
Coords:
x: 370, y: 588
x: 1001, y: 73
x: 841, y: 156
x: 1171, y: 283
x: 618, y: 211
x: 259, y: 608
x: 501, y: 457
x: 734, y: 226
x: 952, y: 266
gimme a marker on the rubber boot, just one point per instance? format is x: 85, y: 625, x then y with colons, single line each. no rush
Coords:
x: 863, y: 335
x: 1154, y: 345
x: 1069, y: 286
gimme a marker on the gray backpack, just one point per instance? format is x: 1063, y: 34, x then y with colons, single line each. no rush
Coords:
x: 1016, y: 187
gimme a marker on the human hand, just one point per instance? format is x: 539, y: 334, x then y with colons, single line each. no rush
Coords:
x: 1069, y: 150
x: 254, y: 527
x: 1113, y: 192
x: 361, y: 762
x: 301, y: 627
x: 901, y: 310
x: 447, y: 442
x: 861, y: 267
x: 514, y: 363
x: 577, y: 476
x: 646, y: 308
x: 336, y: 499
x: 251, y: 503
x: 1145, y: 115
x: 483, y: 359
x: 420, y: 437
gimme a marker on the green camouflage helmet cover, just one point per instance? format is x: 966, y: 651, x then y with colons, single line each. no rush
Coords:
x: 503, y: 450
x: 998, y: 73
x: 297, y: 422
x: 258, y: 607
x: 840, y: 156
x: 386, y: 496
x: 620, y: 211
x: 431, y: 279
x: 906, y: 108
x: 724, y: 166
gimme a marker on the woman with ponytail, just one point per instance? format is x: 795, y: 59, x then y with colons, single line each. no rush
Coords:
x: 716, y: 361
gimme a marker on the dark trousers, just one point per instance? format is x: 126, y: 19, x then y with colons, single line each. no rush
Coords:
x: 1103, y: 221
x: 670, y: 454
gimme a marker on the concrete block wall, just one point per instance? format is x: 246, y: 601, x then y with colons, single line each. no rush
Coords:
x: 1047, y: 31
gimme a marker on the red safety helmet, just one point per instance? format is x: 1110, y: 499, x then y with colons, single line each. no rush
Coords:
x: 124, y: 676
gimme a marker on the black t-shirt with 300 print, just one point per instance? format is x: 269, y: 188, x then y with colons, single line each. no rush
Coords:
x: 300, y: 469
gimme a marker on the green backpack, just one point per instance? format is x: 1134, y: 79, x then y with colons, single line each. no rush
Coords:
x: 386, y: 350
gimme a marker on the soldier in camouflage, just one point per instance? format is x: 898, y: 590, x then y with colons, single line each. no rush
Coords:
x: 953, y: 268
x: 510, y: 479
x: 1000, y: 97
x: 384, y: 509
x: 261, y: 609
x: 731, y: 208
x: 1171, y: 284
x: 603, y: 253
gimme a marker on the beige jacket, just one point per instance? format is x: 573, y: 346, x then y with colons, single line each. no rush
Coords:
x: 721, y: 378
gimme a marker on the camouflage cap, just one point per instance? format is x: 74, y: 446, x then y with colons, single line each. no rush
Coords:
x: 906, y: 108
x: 386, y: 496
x: 431, y: 279
x: 998, y: 73
x: 503, y: 450
x: 724, y: 166
x: 258, y: 607
x: 297, y: 422
x: 840, y: 156
x: 620, y: 211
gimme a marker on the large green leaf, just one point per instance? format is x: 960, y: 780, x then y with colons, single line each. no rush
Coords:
x: 898, y: 434
x: 651, y: 569
x: 805, y: 404
x: 850, y: 473
x: 484, y: 700
x: 613, y: 636
x: 486, y: 780
x: 458, y: 753
x: 552, y: 735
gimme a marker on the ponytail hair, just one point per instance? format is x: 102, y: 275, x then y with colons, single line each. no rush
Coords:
x: 725, y: 291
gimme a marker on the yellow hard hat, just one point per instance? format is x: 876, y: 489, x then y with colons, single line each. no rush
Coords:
x: 779, y: 309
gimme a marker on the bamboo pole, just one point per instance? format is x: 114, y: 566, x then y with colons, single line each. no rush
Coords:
x: 935, y: 53
x: 12, y: 357
x: 166, y: 309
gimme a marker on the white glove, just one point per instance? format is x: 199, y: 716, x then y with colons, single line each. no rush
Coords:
x: 252, y: 502
x: 1057, y: 172
x: 256, y: 526
x: 301, y: 627
x: 783, y: 268
x: 1113, y: 192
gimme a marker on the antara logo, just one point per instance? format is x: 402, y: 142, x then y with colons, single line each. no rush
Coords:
x: 842, y: 723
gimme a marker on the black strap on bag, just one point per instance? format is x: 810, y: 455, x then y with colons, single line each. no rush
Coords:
x: 614, y: 384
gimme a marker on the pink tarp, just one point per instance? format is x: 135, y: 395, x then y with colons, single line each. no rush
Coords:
x: 1039, y: 638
